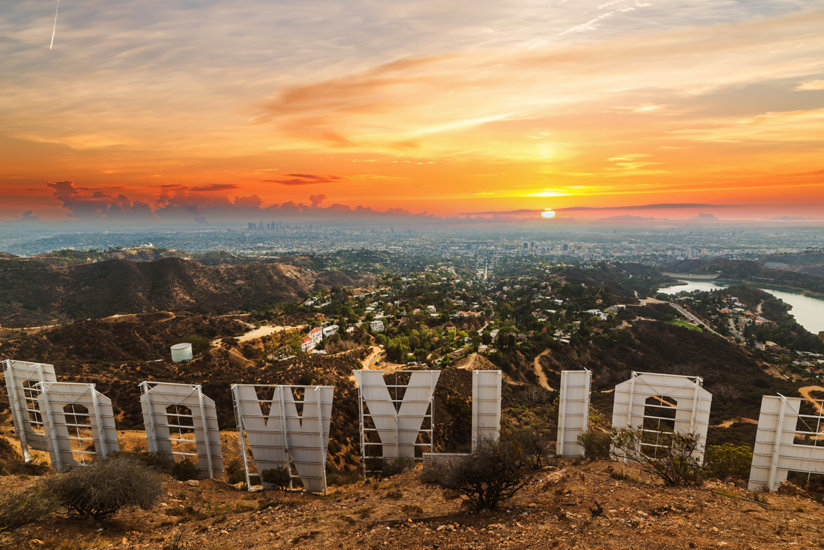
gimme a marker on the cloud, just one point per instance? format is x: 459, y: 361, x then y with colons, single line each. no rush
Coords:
x: 84, y: 203
x: 27, y: 217
x: 518, y: 212
x: 810, y: 86
x: 704, y: 217
x: 658, y: 206
x: 316, y: 200
x: 463, y: 91
x: 303, y: 179
x: 213, y: 187
x: 180, y: 203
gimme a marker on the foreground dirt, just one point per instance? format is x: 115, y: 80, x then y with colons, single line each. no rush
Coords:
x: 554, y: 511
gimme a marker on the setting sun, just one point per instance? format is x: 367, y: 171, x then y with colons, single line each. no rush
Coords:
x: 548, y: 213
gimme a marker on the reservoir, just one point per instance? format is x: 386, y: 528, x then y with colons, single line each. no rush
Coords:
x: 808, y: 312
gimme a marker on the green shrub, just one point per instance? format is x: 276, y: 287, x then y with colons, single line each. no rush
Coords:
x: 104, y: 487
x: 728, y: 461
x: 200, y: 344
x: 386, y: 467
x: 596, y: 444
x: 160, y: 462
x: 235, y: 472
x: 185, y: 470
x: 19, y: 508
x: 278, y: 477
x: 397, y: 466
x: 165, y: 463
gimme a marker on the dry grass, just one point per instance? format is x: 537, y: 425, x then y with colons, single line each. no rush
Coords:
x: 555, y: 510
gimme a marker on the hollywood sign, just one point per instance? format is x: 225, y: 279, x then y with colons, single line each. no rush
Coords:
x: 279, y: 426
x: 288, y: 426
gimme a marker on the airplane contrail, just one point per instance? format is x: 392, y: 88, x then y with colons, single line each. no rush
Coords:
x: 54, y: 27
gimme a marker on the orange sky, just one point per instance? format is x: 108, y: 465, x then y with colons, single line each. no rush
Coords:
x: 515, y: 106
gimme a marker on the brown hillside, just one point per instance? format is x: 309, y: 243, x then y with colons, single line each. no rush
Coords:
x: 33, y: 293
x: 553, y: 511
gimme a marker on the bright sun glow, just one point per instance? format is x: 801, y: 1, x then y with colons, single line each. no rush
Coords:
x: 549, y: 193
x: 548, y: 213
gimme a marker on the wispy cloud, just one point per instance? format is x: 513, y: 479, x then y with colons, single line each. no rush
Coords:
x: 810, y: 86
x: 660, y: 206
x: 303, y: 179
x: 213, y: 187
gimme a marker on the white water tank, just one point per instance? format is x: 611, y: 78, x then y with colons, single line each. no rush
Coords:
x: 181, y: 352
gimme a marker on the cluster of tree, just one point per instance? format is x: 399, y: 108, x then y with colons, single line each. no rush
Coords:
x: 787, y: 333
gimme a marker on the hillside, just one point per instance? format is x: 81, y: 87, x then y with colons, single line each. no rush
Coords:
x: 553, y: 511
x: 742, y: 270
x: 735, y: 378
x: 34, y: 293
x: 118, y: 353
x: 809, y: 261
x: 137, y: 308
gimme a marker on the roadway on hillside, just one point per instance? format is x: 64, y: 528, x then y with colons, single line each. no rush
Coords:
x: 692, y: 317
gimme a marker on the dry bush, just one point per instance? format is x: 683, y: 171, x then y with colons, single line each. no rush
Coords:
x: 104, y: 487
x: 19, y: 508
x: 673, y: 462
x: 532, y: 446
x: 493, y: 472
x: 596, y: 444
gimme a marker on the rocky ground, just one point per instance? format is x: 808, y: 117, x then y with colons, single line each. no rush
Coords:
x: 556, y: 510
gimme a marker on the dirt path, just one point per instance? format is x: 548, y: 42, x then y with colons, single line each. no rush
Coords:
x: 805, y: 392
x: 375, y: 354
x: 472, y: 362
x: 266, y: 330
x: 736, y: 420
x: 368, y: 362
x: 539, y: 371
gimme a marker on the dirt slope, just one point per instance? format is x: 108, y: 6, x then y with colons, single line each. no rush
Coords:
x: 399, y: 512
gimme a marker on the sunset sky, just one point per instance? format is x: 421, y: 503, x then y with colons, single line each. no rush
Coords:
x: 659, y: 109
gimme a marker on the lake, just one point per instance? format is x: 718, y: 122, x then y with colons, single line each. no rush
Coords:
x: 808, y: 311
